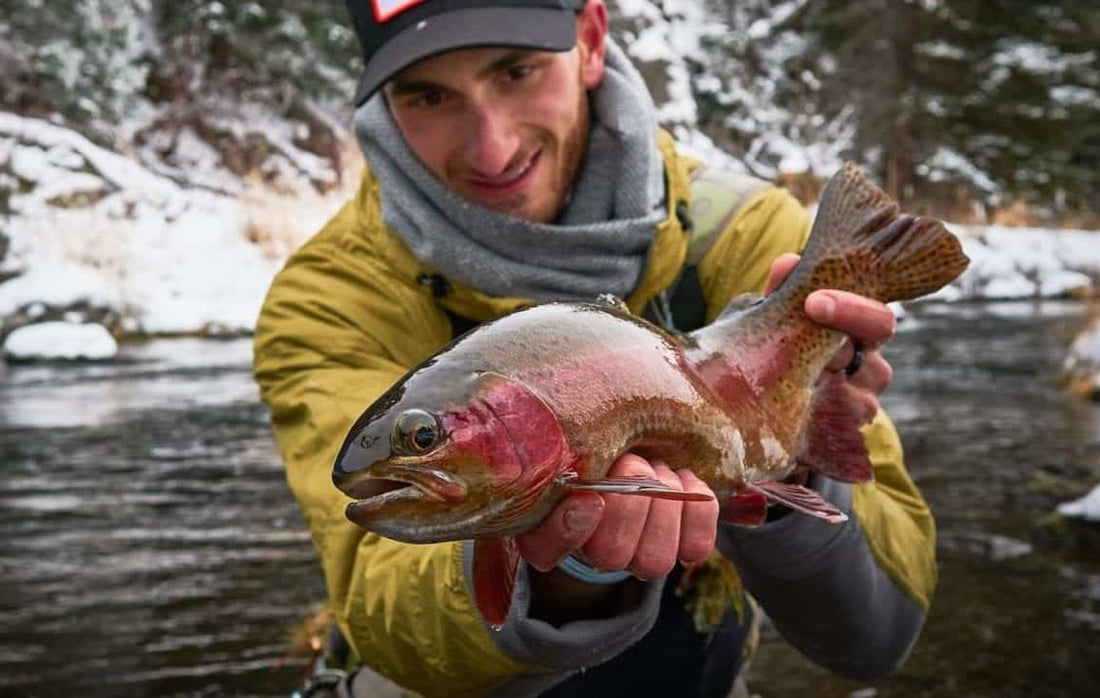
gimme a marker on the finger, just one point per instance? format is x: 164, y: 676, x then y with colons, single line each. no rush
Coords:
x: 863, y: 404
x: 843, y: 357
x: 566, y: 529
x: 612, y: 545
x: 874, y: 374
x: 867, y: 321
x: 699, y: 522
x: 781, y: 267
x: 659, y: 543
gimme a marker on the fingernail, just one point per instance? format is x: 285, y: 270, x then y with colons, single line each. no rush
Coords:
x: 581, y: 519
x: 824, y: 307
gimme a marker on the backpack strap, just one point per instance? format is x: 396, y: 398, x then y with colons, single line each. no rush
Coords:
x: 717, y: 196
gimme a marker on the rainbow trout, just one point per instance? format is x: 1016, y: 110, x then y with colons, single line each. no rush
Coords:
x: 484, y: 438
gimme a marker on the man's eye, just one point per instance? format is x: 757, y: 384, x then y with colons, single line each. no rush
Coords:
x: 519, y: 72
x: 431, y: 98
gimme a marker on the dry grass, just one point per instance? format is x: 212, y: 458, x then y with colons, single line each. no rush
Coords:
x: 956, y: 203
x: 279, y: 218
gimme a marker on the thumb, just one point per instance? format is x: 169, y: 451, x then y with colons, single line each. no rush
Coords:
x: 566, y: 529
x: 580, y: 518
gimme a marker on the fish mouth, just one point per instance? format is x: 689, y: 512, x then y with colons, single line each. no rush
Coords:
x: 374, y: 493
x: 375, y: 487
x: 401, y: 484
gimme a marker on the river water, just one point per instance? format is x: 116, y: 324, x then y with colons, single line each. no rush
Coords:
x: 150, y: 546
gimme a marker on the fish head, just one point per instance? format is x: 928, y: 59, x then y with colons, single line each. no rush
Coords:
x: 447, y: 457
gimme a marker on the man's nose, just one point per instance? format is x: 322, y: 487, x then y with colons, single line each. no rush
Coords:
x: 493, y: 141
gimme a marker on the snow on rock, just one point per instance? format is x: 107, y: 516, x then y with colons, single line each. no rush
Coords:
x: 64, y: 341
x: 1087, y: 507
x: 1019, y: 263
x: 57, y: 283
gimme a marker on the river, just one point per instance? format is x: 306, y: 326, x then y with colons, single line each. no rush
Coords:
x: 151, y: 547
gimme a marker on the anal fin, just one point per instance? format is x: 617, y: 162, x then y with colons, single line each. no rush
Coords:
x: 801, y: 499
x: 496, y: 561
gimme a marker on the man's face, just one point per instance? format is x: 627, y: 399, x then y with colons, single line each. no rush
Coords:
x: 503, y: 127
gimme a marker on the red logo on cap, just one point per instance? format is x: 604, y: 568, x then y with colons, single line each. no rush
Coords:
x: 384, y: 10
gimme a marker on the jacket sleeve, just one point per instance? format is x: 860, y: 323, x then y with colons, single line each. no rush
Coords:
x: 337, y: 330
x: 851, y: 597
x: 324, y: 350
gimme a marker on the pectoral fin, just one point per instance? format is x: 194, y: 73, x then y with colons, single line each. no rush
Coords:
x: 630, y: 484
x: 800, y: 499
x: 496, y: 561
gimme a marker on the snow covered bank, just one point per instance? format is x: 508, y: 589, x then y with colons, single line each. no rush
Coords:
x: 1020, y: 263
x: 96, y: 237
x: 94, y: 233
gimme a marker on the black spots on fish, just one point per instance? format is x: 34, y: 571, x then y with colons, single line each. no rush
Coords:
x: 860, y: 243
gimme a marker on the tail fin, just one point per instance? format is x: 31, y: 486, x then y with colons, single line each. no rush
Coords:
x: 860, y: 243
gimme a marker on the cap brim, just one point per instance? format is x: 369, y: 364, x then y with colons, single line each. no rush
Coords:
x: 540, y: 29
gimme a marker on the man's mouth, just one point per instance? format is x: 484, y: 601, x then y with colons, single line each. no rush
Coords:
x: 510, y: 183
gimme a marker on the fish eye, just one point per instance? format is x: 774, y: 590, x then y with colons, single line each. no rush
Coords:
x: 416, y: 432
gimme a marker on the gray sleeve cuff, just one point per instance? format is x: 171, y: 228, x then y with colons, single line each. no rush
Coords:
x: 573, y: 646
x: 824, y: 590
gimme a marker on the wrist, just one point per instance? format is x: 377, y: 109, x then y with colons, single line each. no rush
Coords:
x: 590, y: 575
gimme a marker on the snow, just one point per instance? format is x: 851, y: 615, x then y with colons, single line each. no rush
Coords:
x: 60, y: 340
x: 946, y: 162
x: 181, y: 245
x: 98, y: 229
x: 1014, y: 263
x: 1087, y: 507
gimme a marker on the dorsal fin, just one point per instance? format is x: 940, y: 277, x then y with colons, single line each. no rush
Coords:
x: 610, y: 300
x: 741, y: 303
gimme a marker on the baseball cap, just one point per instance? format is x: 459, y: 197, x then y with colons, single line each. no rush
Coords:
x: 394, y: 34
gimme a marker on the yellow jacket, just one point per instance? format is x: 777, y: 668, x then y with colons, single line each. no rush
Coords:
x: 347, y: 317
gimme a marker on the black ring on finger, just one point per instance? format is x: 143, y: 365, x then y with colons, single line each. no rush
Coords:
x: 856, y: 362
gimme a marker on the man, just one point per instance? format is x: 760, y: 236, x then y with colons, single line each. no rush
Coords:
x: 513, y: 156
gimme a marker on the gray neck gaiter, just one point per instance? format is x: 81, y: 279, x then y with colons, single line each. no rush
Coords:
x: 600, y: 240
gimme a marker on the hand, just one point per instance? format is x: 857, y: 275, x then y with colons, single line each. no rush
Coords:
x: 642, y: 535
x: 867, y: 322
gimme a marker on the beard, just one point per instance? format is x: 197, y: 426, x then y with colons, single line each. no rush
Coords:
x: 574, y: 149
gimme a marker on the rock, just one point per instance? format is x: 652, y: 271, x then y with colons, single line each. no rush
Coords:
x: 1086, y: 508
x: 992, y: 546
x: 60, y: 341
